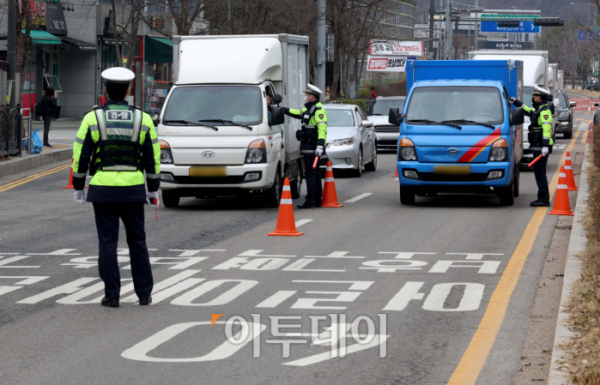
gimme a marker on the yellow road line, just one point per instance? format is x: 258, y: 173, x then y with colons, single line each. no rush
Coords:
x: 471, y: 363
x: 584, y: 137
x: 19, y: 182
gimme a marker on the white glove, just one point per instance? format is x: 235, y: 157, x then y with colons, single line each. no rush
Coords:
x: 319, y: 151
x: 511, y: 100
x: 79, y: 196
x: 545, y: 151
x: 152, y: 195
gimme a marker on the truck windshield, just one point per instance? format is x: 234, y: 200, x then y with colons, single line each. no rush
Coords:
x: 438, y: 104
x: 382, y: 107
x: 238, y: 104
x: 527, y: 95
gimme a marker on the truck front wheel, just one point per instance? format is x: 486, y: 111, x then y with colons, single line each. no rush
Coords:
x: 272, y: 196
x: 407, y: 195
x: 507, y: 195
x: 170, y: 198
x: 296, y: 184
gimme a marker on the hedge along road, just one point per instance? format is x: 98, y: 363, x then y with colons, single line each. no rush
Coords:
x: 411, y: 290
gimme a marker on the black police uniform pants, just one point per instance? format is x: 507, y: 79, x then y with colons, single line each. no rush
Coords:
x: 107, y: 223
x: 539, y: 169
x: 314, y: 188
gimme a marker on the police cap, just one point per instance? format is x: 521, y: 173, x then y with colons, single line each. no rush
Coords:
x: 118, y: 75
x: 310, y: 89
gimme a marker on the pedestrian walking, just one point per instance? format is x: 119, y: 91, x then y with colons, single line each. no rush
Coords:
x: 122, y: 143
x: 312, y: 138
x: 540, y: 140
x: 48, y: 109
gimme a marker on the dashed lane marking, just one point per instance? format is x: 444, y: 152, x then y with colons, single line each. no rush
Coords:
x: 471, y: 363
x: 584, y: 137
x: 357, y: 198
x: 33, y: 177
x: 302, y: 222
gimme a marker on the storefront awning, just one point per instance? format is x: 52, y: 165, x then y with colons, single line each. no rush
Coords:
x: 158, y: 50
x: 42, y: 37
x: 78, y: 43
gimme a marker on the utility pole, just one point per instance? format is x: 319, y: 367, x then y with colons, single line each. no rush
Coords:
x: 321, y: 37
x: 431, y: 19
x: 11, y: 49
x: 476, y: 28
x: 448, y: 53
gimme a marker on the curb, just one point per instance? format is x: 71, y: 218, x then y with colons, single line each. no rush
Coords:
x: 577, y: 244
x: 17, y: 165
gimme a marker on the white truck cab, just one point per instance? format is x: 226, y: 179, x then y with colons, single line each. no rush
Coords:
x: 217, y: 134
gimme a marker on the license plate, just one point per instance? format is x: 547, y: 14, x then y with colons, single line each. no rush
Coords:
x: 208, y: 171
x: 452, y: 170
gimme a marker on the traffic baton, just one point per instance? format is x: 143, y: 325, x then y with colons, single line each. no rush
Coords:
x: 153, y: 201
x: 315, y: 162
x: 535, y: 161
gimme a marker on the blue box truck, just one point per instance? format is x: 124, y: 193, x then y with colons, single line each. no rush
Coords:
x: 458, y: 132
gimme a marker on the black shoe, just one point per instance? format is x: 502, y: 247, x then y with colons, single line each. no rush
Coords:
x: 539, y: 203
x: 306, y: 205
x: 145, y: 301
x: 48, y: 145
x: 317, y: 205
x: 113, y: 302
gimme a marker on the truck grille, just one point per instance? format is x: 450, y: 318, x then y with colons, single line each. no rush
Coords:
x: 431, y: 177
x: 388, y: 128
x: 226, y: 180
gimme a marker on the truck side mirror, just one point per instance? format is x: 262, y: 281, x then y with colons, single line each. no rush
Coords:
x: 395, y: 117
x: 573, y: 104
x: 517, y: 117
x: 155, y: 115
x: 276, y: 99
x: 278, y: 117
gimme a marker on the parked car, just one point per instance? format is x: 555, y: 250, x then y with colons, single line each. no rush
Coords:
x: 564, y: 114
x: 351, y: 140
x: 387, y: 134
x: 597, y: 114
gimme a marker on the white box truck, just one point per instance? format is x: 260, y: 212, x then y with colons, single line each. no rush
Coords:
x: 561, y: 79
x: 217, y: 135
x: 535, y: 72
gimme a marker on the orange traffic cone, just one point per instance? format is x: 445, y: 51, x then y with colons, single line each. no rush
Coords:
x: 329, y: 194
x: 561, y: 203
x: 396, y: 174
x: 569, y: 171
x: 286, y: 225
x: 70, y: 184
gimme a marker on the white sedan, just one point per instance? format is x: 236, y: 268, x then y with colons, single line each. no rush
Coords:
x: 351, y: 139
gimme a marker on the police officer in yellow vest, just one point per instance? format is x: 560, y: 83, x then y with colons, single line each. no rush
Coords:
x: 121, y: 143
x: 312, y: 137
x: 540, y: 140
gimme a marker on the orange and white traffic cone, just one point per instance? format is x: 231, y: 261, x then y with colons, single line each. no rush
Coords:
x: 70, y: 184
x: 330, y: 198
x: 396, y: 174
x: 570, y: 177
x: 286, y: 225
x: 561, y: 203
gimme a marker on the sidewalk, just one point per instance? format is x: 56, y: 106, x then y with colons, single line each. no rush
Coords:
x: 577, y: 245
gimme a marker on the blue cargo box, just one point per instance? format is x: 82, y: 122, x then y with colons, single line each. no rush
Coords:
x: 507, y: 72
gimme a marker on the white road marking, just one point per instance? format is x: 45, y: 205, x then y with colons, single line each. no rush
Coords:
x: 276, y: 299
x: 361, y: 196
x: 303, y: 222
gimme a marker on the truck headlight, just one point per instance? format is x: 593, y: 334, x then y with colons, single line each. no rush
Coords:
x: 257, y: 152
x: 407, y: 150
x: 166, y: 157
x: 563, y: 115
x: 343, y: 142
x: 499, y: 152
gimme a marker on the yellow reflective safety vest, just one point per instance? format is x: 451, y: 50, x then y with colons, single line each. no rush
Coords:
x: 117, y: 144
x: 314, y: 122
x: 540, y: 130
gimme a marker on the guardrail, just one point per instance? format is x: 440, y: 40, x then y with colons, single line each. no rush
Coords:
x: 29, y: 119
x: 10, y: 132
